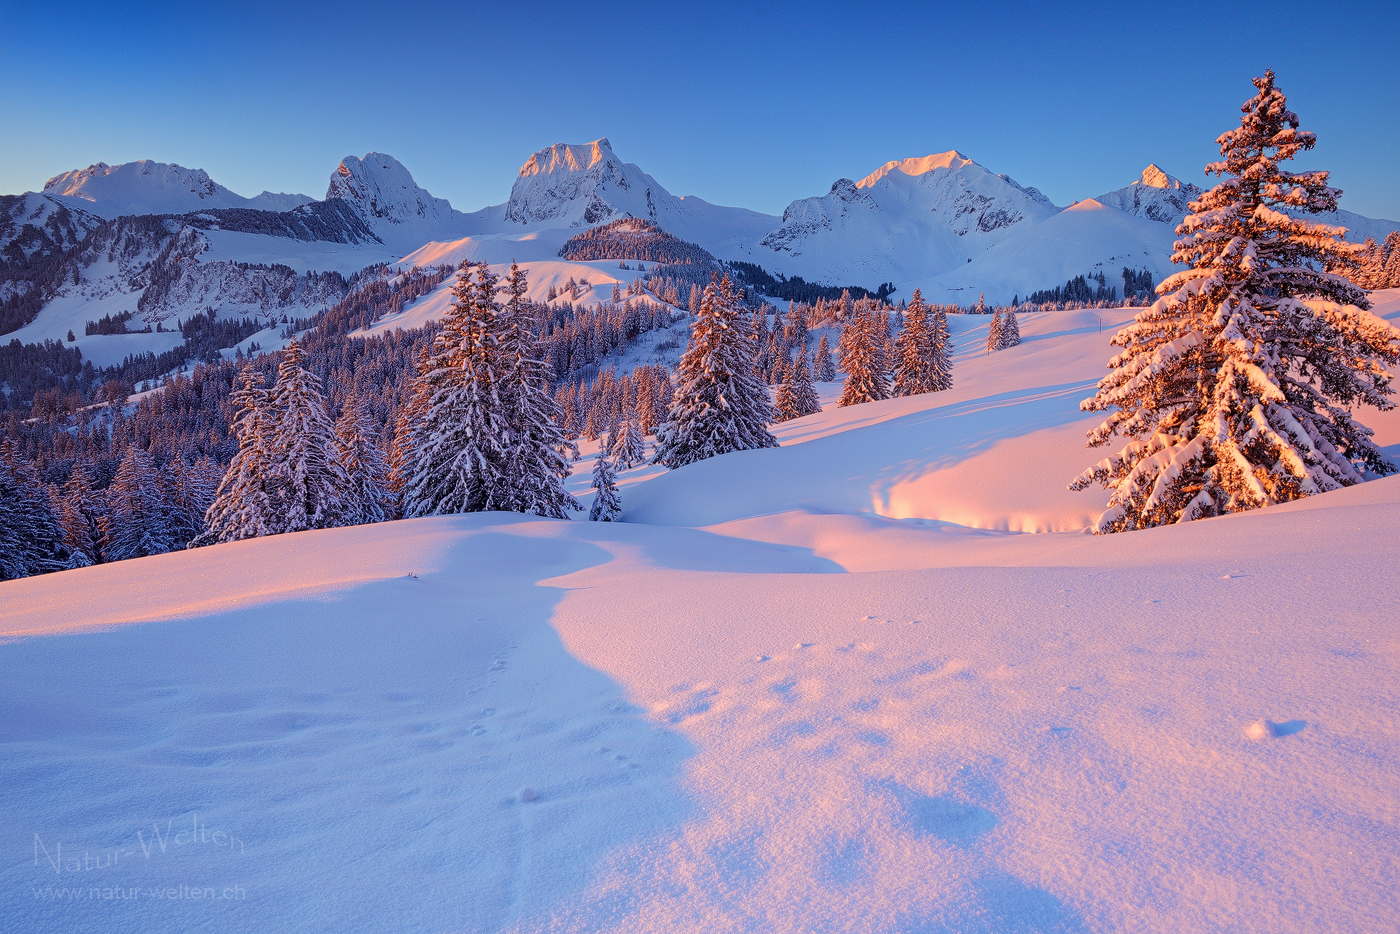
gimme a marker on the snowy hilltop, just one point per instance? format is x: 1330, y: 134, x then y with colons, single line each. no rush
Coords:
x: 145, y: 187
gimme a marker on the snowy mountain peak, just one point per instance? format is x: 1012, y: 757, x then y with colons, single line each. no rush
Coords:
x: 563, y: 157
x: 580, y: 185
x: 384, y: 192
x: 951, y: 160
x: 145, y: 187
x: 909, y: 216
x: 1156, y: 196
x: 1154, y: 177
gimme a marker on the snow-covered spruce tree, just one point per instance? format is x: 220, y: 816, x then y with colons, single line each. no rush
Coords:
x: 994, y: 336
x: 607, y: 504
x: 862, y: 357
x: 797, y: 397
x: 138, y: 524
x: 915, y: 363
x: 242, y: 507
x: 490, y: 436
x: 79, y: 516
x: 823, y: 367
x: 30, y: 537
x: 1010, y: 329
x: 540, y: 455
x: 718, y: 406
x: 940, y: 350
x: 459, y: 447
x: 1236, y: 387
x: 308, y: 487
x: 360, y: 457
x: 629, y: 449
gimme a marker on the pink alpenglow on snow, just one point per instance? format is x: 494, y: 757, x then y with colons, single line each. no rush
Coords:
x: 826, y: 686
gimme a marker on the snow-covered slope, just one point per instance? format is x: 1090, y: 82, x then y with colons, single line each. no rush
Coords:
x: 908, y: 219
x: 1085, y: 238
x: 146, y: 187
x: 810, y: 716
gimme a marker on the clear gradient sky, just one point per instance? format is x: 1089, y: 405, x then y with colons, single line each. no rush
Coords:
x: 746, y: 104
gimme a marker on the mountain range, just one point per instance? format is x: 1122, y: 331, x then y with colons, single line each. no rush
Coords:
x: 942, y: 222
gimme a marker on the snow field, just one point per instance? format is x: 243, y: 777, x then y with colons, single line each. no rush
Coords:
x: 801, y: 696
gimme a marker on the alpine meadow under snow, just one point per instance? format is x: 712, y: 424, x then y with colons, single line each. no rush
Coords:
x: 608, y: 560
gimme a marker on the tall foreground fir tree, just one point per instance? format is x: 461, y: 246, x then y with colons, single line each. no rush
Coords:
x: 1236, y: 387
x: 363, y: 463
x: 489, y: 436
x: 718, y: 406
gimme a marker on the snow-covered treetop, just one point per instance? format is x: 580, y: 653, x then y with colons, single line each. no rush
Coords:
x: 145, y: 187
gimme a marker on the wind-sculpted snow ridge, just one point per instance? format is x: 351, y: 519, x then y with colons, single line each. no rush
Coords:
x: 146, y: 187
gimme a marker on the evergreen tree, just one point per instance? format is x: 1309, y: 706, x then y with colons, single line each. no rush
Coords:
x: 824, y: 368
x: 538, y: 462
x: 490, y: 436
x: 306, y: 483
x: 459, y: 446
x: 862, y: 357
x: 1010, y: 329
x: 629, y: 449
x: 1392, y: 261
x: 138, y: 526
x: 1236, y: 387
x: 366, y: 497
x: 30, y: 538
x: 607, y: 504
x: 940, y: 350
x: 79, y: 516
x: 718, y: 406
x: 994, y: 335
x: 796, y: 396
x: 242, y: 507
x: 915, y: 359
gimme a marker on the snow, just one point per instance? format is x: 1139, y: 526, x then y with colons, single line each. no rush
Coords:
x: 940, y: 222
x: 498, y: 253
x: 796, y: 708
x: 146, y: 187
x: 392, y: 204
x: 302, y: 255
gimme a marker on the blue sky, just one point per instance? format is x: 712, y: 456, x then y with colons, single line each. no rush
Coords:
x: 745, y: 104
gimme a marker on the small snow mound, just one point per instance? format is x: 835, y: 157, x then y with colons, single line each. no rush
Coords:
x: 528, y: 795
x: 1263, y: 729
